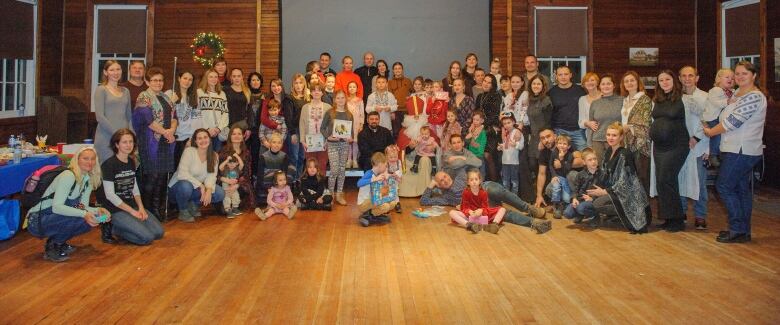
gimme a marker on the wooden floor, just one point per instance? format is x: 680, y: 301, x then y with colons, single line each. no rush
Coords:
x: 325, y: 268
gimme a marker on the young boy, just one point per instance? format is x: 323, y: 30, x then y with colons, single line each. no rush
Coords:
x: 561, y: 161
x: 426, y: 147
x: 229, y: 170
x: 269, y: 162
x: 511, y: 143
x: 581, y: 207
x: 330, y: 87
x: 382, y: 101
x: 369, y: 213
x: 265, y: 132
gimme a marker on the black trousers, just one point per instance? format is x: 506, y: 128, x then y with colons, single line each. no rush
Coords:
x: 668, y: 163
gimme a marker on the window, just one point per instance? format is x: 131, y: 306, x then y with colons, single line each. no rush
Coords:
x: 740, y: 33
x: 120, y: 35
x: 559, y: 44
x: 17, y: 59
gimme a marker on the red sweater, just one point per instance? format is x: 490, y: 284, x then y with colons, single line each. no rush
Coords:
x: 343, y: 79
x: 470, y: 202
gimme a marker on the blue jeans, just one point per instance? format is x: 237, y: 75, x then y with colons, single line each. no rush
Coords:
x: 578, y: 140
x: 216, y: 144
x: 134, y: 230
x: 184, y: 193
x: 714, y: 141
x: 734, y: 188
x: 700, y: 205
x: 584, y: 209
x: 561, y: 192
x: 498, y: 195
x: 60, y: 228
x: 295, y: 155
x: 510, y: 176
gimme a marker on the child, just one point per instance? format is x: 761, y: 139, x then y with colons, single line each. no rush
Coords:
x: 355, y: 106
x: 382, y: 101
x: 589, y: 178
x: 314, y: 195
x: 369, y: 213
x: 280, y: 198
x: 415, y: 116
x: 338, y: 148
x: 474, y: 207
x: 451, y: 126
x: 561, y: 161
x: 426, y: 147
x: 495, y: 70
x: 511, y: 144
x: 229, y: 171
x: 394, y: 167
x: 313, y: 73
x: 265, y: 132
x: 437, y: 107
x: 476, y: 137
x: 330, y: 87
x: 717, y: 99
x: 267, y: 164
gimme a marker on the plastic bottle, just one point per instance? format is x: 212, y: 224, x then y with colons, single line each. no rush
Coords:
x: 11, y: 141
x: 17, y: 155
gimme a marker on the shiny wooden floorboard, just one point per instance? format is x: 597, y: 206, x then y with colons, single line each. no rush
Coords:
x: 325, y: 268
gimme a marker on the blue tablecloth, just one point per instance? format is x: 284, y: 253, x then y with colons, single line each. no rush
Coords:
x: 12, y: 176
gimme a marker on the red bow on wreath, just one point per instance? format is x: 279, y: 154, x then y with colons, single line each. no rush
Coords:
x: 200, y: 51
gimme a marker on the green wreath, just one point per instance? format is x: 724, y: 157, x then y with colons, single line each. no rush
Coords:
x: 207, y: 48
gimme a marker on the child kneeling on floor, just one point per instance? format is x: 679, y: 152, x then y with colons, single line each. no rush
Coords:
x: 280, y: 198
x: 370, y: 213
x: 474, y: 212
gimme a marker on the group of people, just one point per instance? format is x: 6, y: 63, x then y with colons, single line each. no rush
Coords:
x: 474, y: 140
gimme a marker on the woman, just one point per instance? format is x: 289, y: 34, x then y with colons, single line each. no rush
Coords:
x: 670, y: 148
x: 622, y: 194
x: 635, y: 117
x: 112, y: 107
x: 129, y: 219
x: 64, y: 211
x: 472, y: 62
x: 741, y: 128
x: 490, y: 103
x: 540, y: 115
x: 310, y: 123
x: 400, y: 86
x: 463, y: 104
x: 155, y: 120
x: 300, y: 96
x: 236, y: 145
x: 237, y: 99
x: 591, y: 84
x: 194, y: 182
x: 603, y: 112
x: 256, y: 98
x: 381, y: 67
x: 212, y: 103
x: 188, y: 116
x: 220, y: 66
x: 453, y: 73
x: 288, y: 106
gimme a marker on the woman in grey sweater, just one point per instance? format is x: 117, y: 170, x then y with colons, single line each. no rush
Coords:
x: 112, y: 109
x: 603, y: 112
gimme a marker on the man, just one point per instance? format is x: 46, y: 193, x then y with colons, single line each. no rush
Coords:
x: 695, y: 101
x: 374, y: 138
x: 547, y: 141
x: 325, y: 64
x: 565, y: 97
x: 135, y: 83
x: 531, y: 69
x: 367, y: 73
x: 346, y: 76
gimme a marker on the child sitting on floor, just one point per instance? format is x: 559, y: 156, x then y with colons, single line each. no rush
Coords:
x: 592, y: 177
x: 426, y: 147
x: 371, y: 214
x: 280, y: 198
x: 474, y: 209
x: 314, y: 195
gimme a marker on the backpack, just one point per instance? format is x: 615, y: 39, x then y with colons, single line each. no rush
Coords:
x: 37, y: 183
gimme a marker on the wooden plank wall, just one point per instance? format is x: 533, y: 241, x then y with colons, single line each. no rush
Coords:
x: 50, y: 48
x: 771, y: 132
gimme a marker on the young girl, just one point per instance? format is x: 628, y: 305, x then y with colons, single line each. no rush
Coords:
x: 280, y: 198
x: 338, y: 147
x: 355, y: 107
x: 476, y: 137
x: 313, y: 73
x: 436, y: 106
x: 426, y: 147
x: 309, y: 125
x: 314, y: 195
x: 230, y: 170
x: 717, y: 99
x: 561, y: 161
x: 511, y: 144
x: 495, y: 68
x: 330, y: 87
x: 451, y: 126
x: 474, y: 206
x: 265, y: 132
x: 394, y: 167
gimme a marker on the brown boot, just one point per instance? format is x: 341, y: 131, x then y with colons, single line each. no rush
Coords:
x: 340, y: 198
x: 536, y: 213
x: 541, y: 226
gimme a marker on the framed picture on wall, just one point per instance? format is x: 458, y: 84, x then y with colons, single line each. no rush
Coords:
x: 643, y: 56
x: 649, y: 82
x: 777, y: 59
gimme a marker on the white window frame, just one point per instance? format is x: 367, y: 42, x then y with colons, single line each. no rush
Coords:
x: 583, y: 60
x: 30, y: 80
x: 726, y: 60
x: 97, y: 57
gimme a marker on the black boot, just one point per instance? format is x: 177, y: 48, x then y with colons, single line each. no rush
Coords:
x: 105, y: 233
x: 53, y: 252
x: 158, y: 200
